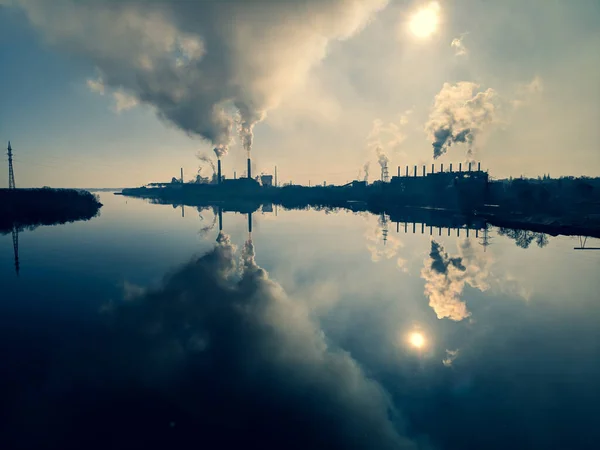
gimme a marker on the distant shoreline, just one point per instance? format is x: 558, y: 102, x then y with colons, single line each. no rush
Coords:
x: 27, y: 208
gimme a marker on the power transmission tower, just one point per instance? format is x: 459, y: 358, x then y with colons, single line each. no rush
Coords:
x: 11, y: 172
x: 486, y: 239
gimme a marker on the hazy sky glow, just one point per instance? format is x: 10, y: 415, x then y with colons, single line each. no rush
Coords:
x: 96, y: 95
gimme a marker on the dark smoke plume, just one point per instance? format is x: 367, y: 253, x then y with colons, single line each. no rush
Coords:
x: 199, y: 64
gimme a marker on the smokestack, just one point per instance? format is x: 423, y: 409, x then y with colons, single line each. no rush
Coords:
x: 218, y: 171
x: 470, y: 164
x: 234, y: 175
x: 275, y: 176
x: 249, y: 168
x: 433, y: 168
x: 182, y: 175
x: 460, y: 167
x: 479, y: 167
x: 450, y: 167
x: 406, y: 170
x: 415, y: 171
x: 423, y: 170
x: 442, y: 167
x: 398, y: 171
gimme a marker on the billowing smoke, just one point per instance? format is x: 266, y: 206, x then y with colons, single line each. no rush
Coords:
x: 208, y: 160
x: 445, y: 278
x: 227, y: 353
x: 199, y: 64
x: 460, y: 112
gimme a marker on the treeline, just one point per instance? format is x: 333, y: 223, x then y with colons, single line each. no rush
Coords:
x: 25, y: 208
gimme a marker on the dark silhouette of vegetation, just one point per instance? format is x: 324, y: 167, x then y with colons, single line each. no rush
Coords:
x: 27, y: 208
x: 524, y: 238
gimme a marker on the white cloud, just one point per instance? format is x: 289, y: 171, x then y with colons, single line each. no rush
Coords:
x: 96, y: 86
x: 459, y: 46
x: 124, y: 101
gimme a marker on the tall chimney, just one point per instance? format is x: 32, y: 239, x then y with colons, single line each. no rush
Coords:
x: 470, y: 166
x: 275, y: 176
x: 182, y: 175
x: 479, y: 166
x: 406, y: 170
x: 450, y: 167
x: 415, y: 171
x: 249, y: 168
x: 433, y: 168
x: 398, y: 171
x: 218, y: 171
x: 423, y: 170
x: 442, y: 167
x: 460, y: 167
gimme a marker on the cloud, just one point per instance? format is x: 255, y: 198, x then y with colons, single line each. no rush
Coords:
x: 451, y: 355
x: 202, y: 64
x: 124, y: 101
x: 96, y: 86
x: 459, y: 46
x: 222, y: 348
x: 445, y: 278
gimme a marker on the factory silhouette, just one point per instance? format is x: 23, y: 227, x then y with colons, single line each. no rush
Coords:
x: 463, y: 193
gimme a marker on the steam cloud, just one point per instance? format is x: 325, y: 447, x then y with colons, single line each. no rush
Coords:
x: 462, y: 111
x: 201, y: 63
x: 445, y: 278
x: 366, y: 168
x: 385, y: 138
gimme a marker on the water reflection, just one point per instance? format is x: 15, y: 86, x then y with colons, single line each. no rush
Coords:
x: 230, y: 359
x: 269, y: 343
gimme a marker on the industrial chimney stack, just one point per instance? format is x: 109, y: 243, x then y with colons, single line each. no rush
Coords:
x: 249, y: 168
x: 218, y: 171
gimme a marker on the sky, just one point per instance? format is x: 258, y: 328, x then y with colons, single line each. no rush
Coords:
x: 105, y: 94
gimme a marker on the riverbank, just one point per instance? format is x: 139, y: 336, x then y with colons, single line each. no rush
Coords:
x: 24, y: 208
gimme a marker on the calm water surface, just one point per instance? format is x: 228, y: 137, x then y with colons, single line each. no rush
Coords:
x: 142, y: 328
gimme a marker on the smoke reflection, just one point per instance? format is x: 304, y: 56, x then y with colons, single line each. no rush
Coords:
x: 220, y: 354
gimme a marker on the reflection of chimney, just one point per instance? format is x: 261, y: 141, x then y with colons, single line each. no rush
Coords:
x: 249, y: 168
x: 218, y: 171
x: 220, y: 219
x: 249, y: 222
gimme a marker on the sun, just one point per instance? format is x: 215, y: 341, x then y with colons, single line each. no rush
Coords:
x: 425, y: 22
x: 417, y: 340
